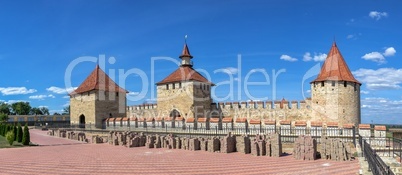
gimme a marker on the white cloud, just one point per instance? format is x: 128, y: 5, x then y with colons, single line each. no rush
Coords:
x: 390, y: 51
x: 377, y: 15
x: 41, y: 97
x: 307, y: 57
x: 288, y: 58
x: 133, y: 93
x: 364, y: 92
x: 380, y: 57
x: 58, y: 90
x: 374, y: 56
x: 43, y: 106
x: 380, y: 107
x: 66, y: 96
x: 14, y: 101
x: 16, y: 90
x: 317, y: 57
x: 380, y: 79
x: 350, y: 36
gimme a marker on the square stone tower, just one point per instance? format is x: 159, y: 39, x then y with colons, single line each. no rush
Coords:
x: 335, y: 93
x: 96, y: 99
x: 185, y: 92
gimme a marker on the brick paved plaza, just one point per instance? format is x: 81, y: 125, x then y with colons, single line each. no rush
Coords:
x: 63, y: 156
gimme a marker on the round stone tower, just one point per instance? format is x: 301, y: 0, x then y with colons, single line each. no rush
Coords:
x: 335, y: 93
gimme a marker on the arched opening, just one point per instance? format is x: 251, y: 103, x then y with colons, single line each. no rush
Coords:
x: 82, y: 121
x: 174, y: 114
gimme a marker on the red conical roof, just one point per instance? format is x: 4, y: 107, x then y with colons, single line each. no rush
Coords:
x: 185, y: 52
x: 184, y: 73
x: 98, y: 80
x: 335, y: 68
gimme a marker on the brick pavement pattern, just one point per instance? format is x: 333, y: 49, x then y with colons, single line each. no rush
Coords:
x: 63, y: 156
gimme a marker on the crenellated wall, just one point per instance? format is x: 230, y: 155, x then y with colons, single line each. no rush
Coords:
x: 271, y: 110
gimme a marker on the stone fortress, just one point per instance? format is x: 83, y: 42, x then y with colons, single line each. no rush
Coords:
x: 185, y: 95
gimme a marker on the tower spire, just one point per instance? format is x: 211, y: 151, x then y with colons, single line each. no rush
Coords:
x: 185, y: 55
x: 335, y: 68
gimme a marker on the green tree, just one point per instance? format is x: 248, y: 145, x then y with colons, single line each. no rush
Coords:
x: 35, y: 111
x: 56, y: 113
x: 26, y: 138
x: 15, y: 130
x: 10, y: 137
x: 44, y: 110
x: 21, y: 108
x: 66, y: 110
x: 5, y: 108
x: 3, y: 117
x: 1, y: 128
x: 19, y: 133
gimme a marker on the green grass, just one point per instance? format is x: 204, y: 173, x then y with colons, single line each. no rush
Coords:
x: 5, y: 144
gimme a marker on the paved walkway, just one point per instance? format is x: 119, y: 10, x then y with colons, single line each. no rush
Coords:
x: 68, y: 157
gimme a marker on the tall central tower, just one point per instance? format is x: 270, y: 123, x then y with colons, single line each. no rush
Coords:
x: 185, y: 92
x: 335, y: 93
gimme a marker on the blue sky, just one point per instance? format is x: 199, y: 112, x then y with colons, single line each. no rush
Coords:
x: 39, y: 39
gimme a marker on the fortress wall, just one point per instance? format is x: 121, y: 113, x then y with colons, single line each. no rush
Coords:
x: 291, y: 110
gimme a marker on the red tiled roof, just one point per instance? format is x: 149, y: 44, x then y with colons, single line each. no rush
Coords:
x: 150, y: 119
x: 348, y: 126
x: 227, y: 120
x: 255, y: 121
x: 133, y: 118
x: 202, y: 120
x: 364, y: 126
x: 285, y: 122
x: 110, y: 119
x: 270, y: 122
x: 159, y: 119
x: 241, y: 120
x: 214, y: 120
x: 119, y: 119
x: 335, y: 68
x: 332, y: 124
x: 316, y: 123
x: 98, y: 80
x: 125, y: 119
x: 185, y: 52
x: 179, y: 118
x: 190, y: 120
x: 168, y: 118
x: 300, y: 123
x: 380, y: 128
x: 184, y: 73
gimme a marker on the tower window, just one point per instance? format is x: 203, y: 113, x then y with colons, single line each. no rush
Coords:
x: 179, y: 84
x: 173, y: 86
x: 355, y: 88
x: 345, y: 84
x: 117, y: 94
x: 333, y: 83
x: 167, y: 86
x: 322, y: 84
